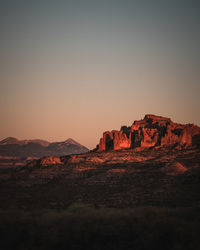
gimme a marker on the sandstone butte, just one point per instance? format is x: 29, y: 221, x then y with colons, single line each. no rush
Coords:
x: 152, y: 131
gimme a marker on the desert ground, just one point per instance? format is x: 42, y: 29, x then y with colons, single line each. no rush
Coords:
x: 126, y: 199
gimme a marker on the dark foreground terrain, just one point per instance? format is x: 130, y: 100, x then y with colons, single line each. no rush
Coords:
x: 103, y: 200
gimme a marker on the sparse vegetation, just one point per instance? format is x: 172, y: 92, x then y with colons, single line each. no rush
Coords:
x: 83, y: 227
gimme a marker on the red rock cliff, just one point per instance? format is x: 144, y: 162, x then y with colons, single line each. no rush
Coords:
x: 150, y: 132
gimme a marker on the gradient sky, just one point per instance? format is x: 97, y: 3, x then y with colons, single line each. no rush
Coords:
x: 78, y: 68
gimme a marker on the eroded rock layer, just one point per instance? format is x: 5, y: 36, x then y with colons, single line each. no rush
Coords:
x: 152, y: 131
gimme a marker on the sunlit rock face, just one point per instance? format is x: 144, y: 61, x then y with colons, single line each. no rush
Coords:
x: 152, y: 131
x: 50, y: 160
x: 115, y: 140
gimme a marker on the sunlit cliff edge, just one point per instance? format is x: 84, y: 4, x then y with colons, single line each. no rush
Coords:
x: 152, y: 131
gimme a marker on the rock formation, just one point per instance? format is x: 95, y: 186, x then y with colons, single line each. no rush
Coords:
x: 152, y: 131
x: 51, y: 160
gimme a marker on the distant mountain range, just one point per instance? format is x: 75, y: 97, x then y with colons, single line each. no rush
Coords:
x: 39, y: 148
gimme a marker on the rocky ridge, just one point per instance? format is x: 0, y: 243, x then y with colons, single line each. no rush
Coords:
x: 152, y: 131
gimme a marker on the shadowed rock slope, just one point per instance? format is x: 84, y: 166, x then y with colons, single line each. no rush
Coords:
x: 154, y: 177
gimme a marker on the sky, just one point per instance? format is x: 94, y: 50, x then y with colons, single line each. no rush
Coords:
x: 78, y: 68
